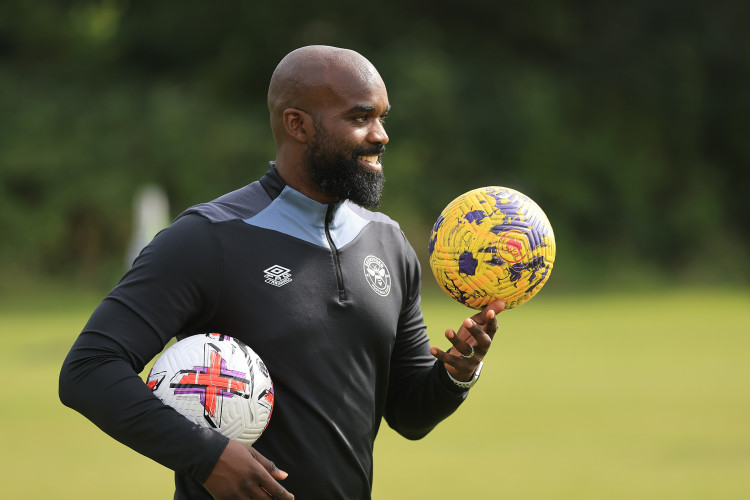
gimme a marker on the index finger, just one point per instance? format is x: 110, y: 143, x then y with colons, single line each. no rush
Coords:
x: 487, y: 317
x: 269, y: 485
x: 268, y: 477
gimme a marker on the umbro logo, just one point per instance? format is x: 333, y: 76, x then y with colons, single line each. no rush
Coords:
x: 278, y: 275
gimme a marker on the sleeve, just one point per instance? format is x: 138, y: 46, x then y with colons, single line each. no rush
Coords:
x: 171, y: 289
x: 420, y: 394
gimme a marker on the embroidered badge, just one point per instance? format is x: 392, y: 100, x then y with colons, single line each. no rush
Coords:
x: 377, y: 275
x: 278, y: 275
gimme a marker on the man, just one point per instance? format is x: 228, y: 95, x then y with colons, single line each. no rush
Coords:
x: 342, y: 335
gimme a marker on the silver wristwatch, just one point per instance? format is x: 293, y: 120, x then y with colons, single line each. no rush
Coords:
x: 470, y: 383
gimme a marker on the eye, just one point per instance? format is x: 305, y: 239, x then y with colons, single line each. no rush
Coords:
x: 383, y: 117
x: 361, y: 118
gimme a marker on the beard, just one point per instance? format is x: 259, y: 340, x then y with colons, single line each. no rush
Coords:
x: 340, y: 174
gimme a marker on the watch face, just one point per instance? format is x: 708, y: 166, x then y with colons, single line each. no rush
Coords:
x: 477, y: 372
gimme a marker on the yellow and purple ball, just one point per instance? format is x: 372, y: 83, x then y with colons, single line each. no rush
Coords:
x: 492, y: 243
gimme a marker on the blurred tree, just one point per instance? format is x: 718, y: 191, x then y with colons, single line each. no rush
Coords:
x: 625, y: 121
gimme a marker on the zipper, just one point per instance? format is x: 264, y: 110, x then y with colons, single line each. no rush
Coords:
x: 335, y: 253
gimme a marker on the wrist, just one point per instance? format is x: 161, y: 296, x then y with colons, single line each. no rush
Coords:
x: 469, y: 383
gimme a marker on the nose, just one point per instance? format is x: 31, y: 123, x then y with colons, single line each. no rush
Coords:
x: 378, y: 134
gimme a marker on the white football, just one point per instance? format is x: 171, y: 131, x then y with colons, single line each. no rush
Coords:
x: 218, y: 382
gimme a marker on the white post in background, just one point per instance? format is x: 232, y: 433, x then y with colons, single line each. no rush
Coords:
x: 150, y: 215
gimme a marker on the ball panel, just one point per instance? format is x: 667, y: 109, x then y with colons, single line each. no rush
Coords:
x: 492, y: 243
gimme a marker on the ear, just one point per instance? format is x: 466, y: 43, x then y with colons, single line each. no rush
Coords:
x: 298, y: 124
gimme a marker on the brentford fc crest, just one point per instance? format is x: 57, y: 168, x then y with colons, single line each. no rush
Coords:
x: 377, y: 275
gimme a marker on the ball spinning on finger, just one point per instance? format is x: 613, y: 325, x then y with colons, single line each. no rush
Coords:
x: 492, y: 243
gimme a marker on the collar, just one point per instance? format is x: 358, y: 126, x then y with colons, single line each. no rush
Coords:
x: 272, y: 181
x: 295, y: 214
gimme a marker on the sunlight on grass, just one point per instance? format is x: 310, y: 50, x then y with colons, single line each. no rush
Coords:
x: 612, y: 396
x: 50, y: 451
x: 582, y: 397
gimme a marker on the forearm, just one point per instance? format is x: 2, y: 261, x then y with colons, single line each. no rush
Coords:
x: 98, y: 382
x: 422, y: 400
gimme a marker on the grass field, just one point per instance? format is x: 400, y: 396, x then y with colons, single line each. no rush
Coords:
x: 600, y: 396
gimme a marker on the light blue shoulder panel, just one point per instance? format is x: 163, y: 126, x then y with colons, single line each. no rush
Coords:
x: 296, y: 215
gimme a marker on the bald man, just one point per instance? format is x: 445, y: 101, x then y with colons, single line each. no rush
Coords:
x: 342, y: 334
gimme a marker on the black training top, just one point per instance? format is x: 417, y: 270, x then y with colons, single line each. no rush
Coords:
x: 327, y: 295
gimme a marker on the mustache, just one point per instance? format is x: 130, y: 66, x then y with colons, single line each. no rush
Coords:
x: 375, y: 150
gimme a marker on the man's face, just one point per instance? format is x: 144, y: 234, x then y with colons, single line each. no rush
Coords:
x: 344, y: 156
x: 337, y: 167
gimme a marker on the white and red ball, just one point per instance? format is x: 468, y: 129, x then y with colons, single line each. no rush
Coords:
x: 218, y: 382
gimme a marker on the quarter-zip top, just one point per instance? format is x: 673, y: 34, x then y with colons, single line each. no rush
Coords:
x: 258, y: 264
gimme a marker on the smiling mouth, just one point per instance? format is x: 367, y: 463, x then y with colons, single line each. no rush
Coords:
x: 373, y: 161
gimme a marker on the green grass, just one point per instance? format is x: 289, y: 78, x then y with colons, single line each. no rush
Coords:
x: 585, y: 397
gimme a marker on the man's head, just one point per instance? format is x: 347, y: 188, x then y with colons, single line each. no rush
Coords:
x: 327, y: 107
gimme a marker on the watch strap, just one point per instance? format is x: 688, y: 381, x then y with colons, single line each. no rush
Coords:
x: 469, y: 383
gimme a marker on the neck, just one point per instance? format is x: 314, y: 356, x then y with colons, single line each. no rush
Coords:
x: 295, y: 175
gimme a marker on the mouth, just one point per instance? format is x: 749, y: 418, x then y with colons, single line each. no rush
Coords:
x: 372, y: 161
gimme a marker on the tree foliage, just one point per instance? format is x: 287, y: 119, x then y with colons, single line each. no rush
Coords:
x: 624, y: 120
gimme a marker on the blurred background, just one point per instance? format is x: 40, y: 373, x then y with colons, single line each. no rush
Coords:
x: 626, y: 121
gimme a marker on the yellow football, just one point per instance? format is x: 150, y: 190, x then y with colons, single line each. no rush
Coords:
x: 492, y: 243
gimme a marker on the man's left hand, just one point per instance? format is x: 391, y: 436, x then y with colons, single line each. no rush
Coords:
x: 470, y: 343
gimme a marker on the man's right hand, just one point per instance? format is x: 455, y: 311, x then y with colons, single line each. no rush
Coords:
x: 242, y: 472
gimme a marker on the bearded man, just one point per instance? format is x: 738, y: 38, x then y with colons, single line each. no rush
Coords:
x: 342, y: 335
